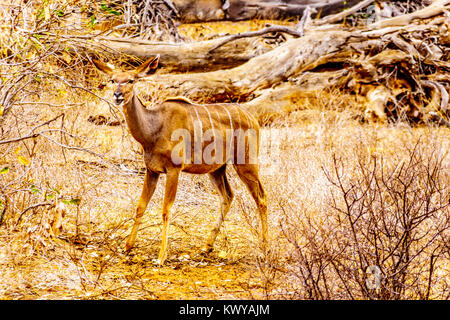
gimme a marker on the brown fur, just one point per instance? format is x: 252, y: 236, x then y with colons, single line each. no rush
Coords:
x: 153, y: 130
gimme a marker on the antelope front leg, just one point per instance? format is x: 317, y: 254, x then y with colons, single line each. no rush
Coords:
x: 150, y: 182
x: 169, y: 198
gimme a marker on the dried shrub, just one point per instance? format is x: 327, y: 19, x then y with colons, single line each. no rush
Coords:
x: 385, y: 235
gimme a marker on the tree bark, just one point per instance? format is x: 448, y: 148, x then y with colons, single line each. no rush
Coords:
x: 272, y: 67
x: 432, y: 10
x: 405, y: 56
x: 281, y: 100
x: 236, y: 10
x: 195, y: 56
x: 400, y: 59
x: 234, y: 50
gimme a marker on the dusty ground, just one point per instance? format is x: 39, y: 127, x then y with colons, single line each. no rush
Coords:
x: 86, y: 261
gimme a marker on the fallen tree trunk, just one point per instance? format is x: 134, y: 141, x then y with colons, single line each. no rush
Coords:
x: 183, y: 57
x: 297, y: 55
x: 396, y: 67
x: 237, y: 10
x: 219, y: 53
x: 234, y: 50
x: 291, y: 96
x: 398, y: 58
x: 260, y: 72
x: 432, y: 10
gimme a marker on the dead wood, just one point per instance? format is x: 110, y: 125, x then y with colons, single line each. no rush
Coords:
x: 205, y: 56
x: 182, y: 57
x: 407, y: 61
x: 255, y: 34
x: 436, y: 8
x: 236, y: 10
x: 342, y: 15
x: 278, y: 101
x: 397, y: 67
x: 272, y: 67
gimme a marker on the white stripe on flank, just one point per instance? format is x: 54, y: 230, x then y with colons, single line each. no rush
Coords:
x: 230, y: 147
x: 247, y: 116
x: 198, y: 144
x: 216, y: 146
x: 218, y: 116
x: 212, y: 124
x: 221, y: 129
x: 239, y: 116
x: 209, y: 115
x: 192, y: 119
x: 251, y: 116
x: 201, y: 124
x: 229, y: 116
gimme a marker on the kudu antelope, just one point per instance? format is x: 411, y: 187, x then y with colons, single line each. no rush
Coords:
x: 155, y: 130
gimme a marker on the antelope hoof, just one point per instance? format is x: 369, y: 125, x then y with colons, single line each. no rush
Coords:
x: 160, y: 262
x: 207, y: 249
x: 128, y: 247
x: 161, y: 259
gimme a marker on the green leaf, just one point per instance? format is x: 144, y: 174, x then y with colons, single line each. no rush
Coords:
x: 92, y: 22
x: 74, y: 201
x: 37, y: 78
x: 109, y: 10
x: 4, y: 170
x: 50, y: 196
x: 40, y: 14
x: 34, y: 189
x: 117, y: 13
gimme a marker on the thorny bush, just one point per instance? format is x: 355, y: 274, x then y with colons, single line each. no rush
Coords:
x: 385, y: 235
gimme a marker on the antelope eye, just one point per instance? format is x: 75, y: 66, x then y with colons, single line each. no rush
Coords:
x: 131, y: 81
x: 112, y: 81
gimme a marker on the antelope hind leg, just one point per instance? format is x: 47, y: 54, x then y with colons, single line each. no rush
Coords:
x: 220, y: 182
x: 248, y: 173
x: 169, y: 198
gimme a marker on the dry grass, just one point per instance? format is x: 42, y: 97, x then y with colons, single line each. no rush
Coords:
x: 207, y: 30
x: 87, y: 261
x: 93, y: 173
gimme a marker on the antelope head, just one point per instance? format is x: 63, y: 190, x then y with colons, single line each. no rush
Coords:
x: 123, y: 81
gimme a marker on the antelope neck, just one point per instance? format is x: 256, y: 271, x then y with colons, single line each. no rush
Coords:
x: 142, y: 123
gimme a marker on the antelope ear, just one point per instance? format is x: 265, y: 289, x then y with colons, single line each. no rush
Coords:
x: 148, y: 67
x: 104, y: 67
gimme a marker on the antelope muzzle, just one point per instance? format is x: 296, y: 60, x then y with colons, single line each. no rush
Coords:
x: 118, y: 97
